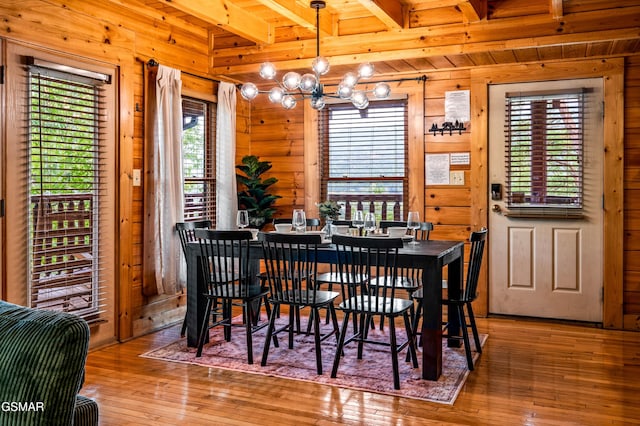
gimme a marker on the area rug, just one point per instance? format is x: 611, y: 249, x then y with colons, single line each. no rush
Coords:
x: 372, y: 374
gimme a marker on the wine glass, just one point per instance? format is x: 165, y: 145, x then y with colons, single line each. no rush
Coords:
x: 358, y: 220
x: 370, y: 223
x: 413, y: 223
x: 299, y: 221
x: 242, y: 219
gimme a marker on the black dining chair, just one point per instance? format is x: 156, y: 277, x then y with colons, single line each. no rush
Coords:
x: 291, y: 262
x: 467, y: 296
x: 409, y: 279
x: 358, y: 258
x: 186, y: 233
x: 231, y: 281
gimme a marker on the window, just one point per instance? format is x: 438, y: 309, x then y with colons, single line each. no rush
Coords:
x: 544, y: 149
x: 198, y: 165
x: 363, y: 154
x: 66, y: 143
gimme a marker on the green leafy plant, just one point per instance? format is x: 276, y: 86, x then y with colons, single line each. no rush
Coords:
x: 252, y: 190
x: 329, y: 209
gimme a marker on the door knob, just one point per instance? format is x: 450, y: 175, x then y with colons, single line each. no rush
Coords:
x: 496, y: 208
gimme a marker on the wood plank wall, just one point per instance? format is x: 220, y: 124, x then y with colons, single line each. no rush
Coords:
x: 116, y: 36
x: 631, y: 295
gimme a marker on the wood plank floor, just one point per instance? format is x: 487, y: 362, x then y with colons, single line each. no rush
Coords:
x: 531, y: 372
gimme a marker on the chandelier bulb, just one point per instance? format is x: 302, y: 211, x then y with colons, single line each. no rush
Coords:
x: 291, y: 80
x: 249, y: 91
x: 267, y: 71
x: 382, y: 91
x: 288, y: 102
x: 276, y: 94
x: 350, y: 79
x: 317, y: 103
x: 320, y: 65
x: 308, y: 82
x: 344, y: 91
x: 366, y: 70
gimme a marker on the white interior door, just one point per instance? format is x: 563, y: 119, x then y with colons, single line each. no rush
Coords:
x: 548, y: 268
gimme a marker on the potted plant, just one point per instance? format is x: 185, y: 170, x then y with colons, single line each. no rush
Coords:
x: 329, y: 211
x: 252, y: 190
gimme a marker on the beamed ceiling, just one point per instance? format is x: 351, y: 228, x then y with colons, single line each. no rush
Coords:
x: 402, y: 37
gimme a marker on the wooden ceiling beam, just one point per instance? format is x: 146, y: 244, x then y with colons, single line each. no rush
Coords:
x: 406, y: 51
x: 473, y: 10
x: 555, y: 8
x: 388, y: 11
x: 228, y: 16
x: 303, y: 16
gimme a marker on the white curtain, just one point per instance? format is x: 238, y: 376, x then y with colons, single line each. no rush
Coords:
x: 226, y: 188
x: 164, y: 198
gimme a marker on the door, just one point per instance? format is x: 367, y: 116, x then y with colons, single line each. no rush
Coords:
x: 551, y: 266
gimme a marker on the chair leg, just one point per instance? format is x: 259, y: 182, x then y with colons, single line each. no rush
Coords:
x: 204, y: 329
x: 248, y: 308
x: 270, y: 330
x: 183, y: 330
x: 394, y: 353
x: 316, y: 329
x: 364, y: 320
x: 474, y: 329
x: 338, y: 354
x: 465, y: 336
x: 411, y: 352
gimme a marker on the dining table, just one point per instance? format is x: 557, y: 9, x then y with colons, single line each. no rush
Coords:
x: 430, y: 255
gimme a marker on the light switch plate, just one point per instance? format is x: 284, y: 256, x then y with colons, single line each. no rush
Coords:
x: 136, y: 177
x: 456, y: 177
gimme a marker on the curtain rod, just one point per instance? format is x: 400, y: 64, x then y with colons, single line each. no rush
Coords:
x: 153, y: 63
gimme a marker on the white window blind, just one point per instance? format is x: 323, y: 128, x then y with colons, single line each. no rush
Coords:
x: 198, y: 161
x: 66, y: 185
x: 544, y: 134
x: 363, y: 155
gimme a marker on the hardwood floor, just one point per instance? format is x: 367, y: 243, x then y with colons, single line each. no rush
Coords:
x: 531, y: 372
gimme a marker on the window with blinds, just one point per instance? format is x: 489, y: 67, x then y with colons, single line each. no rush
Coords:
x: 363, y: 154
x: 198, y: 161
x: 66, y: 176
x: 544, y: 150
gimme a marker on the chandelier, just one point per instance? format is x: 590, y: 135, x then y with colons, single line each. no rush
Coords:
x: 295, y: 87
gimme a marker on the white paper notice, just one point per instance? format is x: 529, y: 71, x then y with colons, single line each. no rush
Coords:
x: 460, y: 158
x: 436, y: 169
x: 457, y: 106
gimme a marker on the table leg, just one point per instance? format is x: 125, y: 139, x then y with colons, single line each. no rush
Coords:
x: 432, y: 322
x: 454, y: 289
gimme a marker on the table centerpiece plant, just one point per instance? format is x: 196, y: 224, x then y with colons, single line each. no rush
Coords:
x: 329, y: 210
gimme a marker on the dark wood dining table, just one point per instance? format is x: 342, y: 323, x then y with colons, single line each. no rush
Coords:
x: 431, y: 255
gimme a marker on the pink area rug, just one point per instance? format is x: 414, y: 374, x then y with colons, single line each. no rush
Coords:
x: 371, y: 374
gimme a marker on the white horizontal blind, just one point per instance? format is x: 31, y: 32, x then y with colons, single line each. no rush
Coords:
x: 544, y: 149
x: 198, y: 161
x: 364, y: 155
x: 66, y: 184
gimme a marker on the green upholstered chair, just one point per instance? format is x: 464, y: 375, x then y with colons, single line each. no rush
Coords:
x: 42, y: 359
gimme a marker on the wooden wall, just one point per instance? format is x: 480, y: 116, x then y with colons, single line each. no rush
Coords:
x: 631, y: 295
x: 116, y: 36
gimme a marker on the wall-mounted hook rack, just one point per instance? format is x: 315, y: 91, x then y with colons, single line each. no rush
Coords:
x: 448, y: 126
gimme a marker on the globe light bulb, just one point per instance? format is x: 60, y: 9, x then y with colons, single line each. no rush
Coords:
x: 267, y: 71
x: 350, y: 79
x: 320, y: 65
x: 308, y: 82
x: 317, y: 103
x: 382, y: 91
x: 291, y: 80
x: 249, y: 91
x: 344, y: 91
x: 365, y: 70
x: 288, y: 102
x: 276, y: 94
